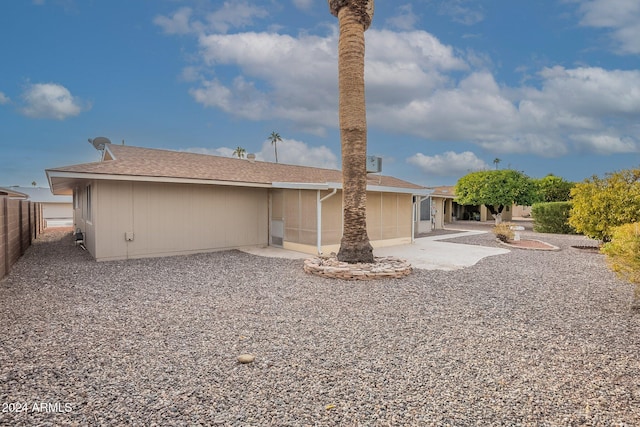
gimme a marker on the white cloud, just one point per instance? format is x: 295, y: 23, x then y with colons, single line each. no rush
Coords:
x: 406, y: 19
x: 539, y: 144
x: 608, y: 143
x: 294, y: 152
x: 524, y: 120
x: 474, y: 109
x: 229, y: 15
x: 303, y: 4
x: 50, y: 101
x: 290, y: 152
x: 234, y: 14
x: 592, y: 91
x: 4, y: 99
x: 448, y: 163
x: 417, y: 86
x: 622, y: 17
x: 177, y: 23
x: 300, y: 74
x: 461, y: 13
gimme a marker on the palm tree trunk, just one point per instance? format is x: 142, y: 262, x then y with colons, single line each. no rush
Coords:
x: 354, y: 246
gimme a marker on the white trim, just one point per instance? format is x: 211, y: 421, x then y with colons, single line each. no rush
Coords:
x: 299, y: 185
x: 284, y: 185
x: 319, y: 201
x: 386, y: 189
x: 109, y: 177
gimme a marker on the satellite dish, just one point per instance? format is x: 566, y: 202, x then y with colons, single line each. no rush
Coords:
x: 99, y: 142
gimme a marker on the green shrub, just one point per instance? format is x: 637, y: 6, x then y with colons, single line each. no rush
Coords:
x: 623, y: 256
x: 503, y: 231
x: 552, y: 217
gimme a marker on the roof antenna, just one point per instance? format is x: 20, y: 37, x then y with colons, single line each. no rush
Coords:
x: 99, y: 142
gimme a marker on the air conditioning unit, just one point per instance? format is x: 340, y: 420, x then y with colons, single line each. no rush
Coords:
x: 374, y: 164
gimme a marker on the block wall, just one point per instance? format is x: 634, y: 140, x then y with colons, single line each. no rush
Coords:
x: 20, y: 223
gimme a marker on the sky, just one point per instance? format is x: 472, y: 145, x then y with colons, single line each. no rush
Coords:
x: 452, y: 86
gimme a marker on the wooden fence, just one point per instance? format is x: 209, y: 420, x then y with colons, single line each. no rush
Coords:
x: 21, y: 222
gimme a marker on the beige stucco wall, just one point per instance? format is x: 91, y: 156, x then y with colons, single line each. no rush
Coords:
x: 300, y: 216
x: 389, y: 217
x: 170, y: 219
x: 521, y: 211
x: 485, y: 215
x: 441, y: 211
x: 57, y: 210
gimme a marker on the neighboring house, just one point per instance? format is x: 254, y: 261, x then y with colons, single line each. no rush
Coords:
x: 140, y: 202
x: 441, y: 209
x: 12, y: 193
x: 57, y: 211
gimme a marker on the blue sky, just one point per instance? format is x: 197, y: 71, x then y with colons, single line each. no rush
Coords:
x: 545, y: 86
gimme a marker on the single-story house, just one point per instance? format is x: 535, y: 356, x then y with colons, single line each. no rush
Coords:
x: 441, y: 209
x: 12, y: 193
x: 141, y: 202
x: 57, y: 211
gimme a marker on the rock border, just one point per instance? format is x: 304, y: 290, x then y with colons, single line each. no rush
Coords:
x: 382, y: 268
x: 549, y: 247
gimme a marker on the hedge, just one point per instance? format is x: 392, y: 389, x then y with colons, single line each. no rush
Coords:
x: 552, y: 217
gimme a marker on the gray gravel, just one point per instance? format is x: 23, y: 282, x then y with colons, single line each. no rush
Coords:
x: 524, y: 339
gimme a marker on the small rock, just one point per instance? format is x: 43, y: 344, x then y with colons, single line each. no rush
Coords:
x: 246, y: 358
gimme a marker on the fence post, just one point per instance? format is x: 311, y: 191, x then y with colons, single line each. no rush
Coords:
x: 31, y: 225
x: 5, y: 232
x: 20, y: 231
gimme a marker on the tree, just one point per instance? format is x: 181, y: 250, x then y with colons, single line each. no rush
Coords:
x: 354, y: 17
x: 496, y: 162
x: 496, y: 189
x: 274, y: 138
x: 240, y: 152
x: 600, y: 204
x: 34, y: 183
x: 553, y: 188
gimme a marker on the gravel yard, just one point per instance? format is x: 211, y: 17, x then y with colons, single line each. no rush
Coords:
x: 529, y: 338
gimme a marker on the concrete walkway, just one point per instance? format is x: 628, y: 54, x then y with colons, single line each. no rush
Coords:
x: 427, y: 253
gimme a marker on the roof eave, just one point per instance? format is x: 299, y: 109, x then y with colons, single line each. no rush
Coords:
x: 58, y: 175
x: 55, y: 175
x: 12, y: 194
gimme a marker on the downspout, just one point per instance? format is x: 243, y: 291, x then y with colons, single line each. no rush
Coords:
x: 319, y: 219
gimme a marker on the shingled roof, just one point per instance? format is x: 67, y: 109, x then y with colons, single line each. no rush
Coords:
x: 123, y: 162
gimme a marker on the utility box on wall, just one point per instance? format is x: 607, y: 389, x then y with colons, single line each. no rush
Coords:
x: 374, y: 164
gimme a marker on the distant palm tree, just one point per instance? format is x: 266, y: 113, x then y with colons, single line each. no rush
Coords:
x: 496, y: 161
x: 274, y: 138
x: 354, y: 17
x: 34, y: 183
x: 240, y: 152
